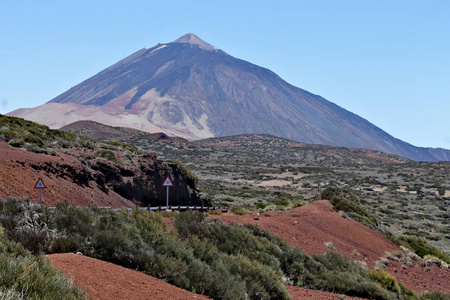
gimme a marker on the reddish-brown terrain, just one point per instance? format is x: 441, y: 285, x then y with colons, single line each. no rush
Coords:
x: 72, y: 174
x: 106, y: 281
x: 18, y: 178
x: 298, y: 293
x: 309, y: 227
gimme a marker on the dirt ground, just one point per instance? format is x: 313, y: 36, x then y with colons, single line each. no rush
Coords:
x: 106, y: 281
x: 298, y: 293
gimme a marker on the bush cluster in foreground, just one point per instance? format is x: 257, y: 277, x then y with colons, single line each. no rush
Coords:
x: 27, y: 276
x: 199, y: 254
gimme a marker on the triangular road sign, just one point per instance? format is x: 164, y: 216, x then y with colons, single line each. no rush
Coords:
x: 167, y: 182
x: 40, y: 184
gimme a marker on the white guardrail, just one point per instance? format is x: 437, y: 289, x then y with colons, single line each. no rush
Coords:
x: 179, y: 208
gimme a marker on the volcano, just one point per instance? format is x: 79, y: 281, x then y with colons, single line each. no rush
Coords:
x: 194, y: 90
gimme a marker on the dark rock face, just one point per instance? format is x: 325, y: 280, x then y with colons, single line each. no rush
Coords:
x: 140, y: 181
x: 228, y: 96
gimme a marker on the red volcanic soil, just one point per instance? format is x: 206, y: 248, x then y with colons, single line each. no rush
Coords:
x: 309, y: 227
x: 106, y: 281
x: 18, y: 178
x: 298, y: 293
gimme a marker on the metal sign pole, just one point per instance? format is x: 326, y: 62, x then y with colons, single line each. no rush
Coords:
x: 167, y: 202
x: 167, y: 183
x: 40, y: 196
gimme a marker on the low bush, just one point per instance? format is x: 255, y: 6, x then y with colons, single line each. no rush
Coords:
x: 24, y: 276
x: 238, y: 211
x: 344, y: 200
x: 435, y: 296
x: 35, y: 140
x: 190, y: 176
x: 385, y: 279
x: 332, y: 272
x: 108, y: 154
x: 420, y: 247
x: 7, y: 135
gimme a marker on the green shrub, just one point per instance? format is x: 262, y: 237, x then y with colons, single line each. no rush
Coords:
x: 385, y: 279
x: 190, y: 176
x: 420, y: 247
x: 435, y: 296
x: 24, y: 276
x: 33, y: 139
x: 238, y: 211
x: 261, y: 205
x: 7, y: 135
x: 108, y: 154
x: 332, y: 272
x: 345, y: 200
x: 202, y: 255
x: 16, y: 143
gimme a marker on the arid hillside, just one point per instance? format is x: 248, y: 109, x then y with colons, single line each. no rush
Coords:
x: 72, y: 167
x: 310, y: 228
x: 106, y: 281
x: 314, y: 226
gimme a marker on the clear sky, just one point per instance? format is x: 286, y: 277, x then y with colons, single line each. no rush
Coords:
x: 385, y: 60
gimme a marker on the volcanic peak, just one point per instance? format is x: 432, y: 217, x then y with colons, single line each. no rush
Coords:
x: 190, y: 38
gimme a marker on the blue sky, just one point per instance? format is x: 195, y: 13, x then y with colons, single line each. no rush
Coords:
x: 387, y: 61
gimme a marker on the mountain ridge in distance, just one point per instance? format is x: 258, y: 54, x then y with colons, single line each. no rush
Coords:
x: 194, y: 90
x: 245, y: 143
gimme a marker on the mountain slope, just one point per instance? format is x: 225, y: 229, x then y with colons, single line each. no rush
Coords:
x: 194, y: 90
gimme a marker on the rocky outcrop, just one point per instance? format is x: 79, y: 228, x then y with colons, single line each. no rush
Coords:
x: 140, y: 179
x: 142, y: 182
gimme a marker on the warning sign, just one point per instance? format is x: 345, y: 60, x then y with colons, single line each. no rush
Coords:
x: 40, y: 184
x: 167, y: 182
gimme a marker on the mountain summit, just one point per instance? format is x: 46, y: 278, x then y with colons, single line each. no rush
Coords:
x: 190, y: 38
x: 191, y: 89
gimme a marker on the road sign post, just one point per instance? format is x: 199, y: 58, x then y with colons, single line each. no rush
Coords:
x: 40, y: 185
x: 167, y: 183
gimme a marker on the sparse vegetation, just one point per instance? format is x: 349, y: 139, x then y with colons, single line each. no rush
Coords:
x: 108, y: 154
x: 346, y: 201
x: 407, y: 202
x: 27, y: 276
x: 190, y: 176
x: 202, y: 255
x: 41, y: 139
x: 238, y: 211
x: 420, y: 247
x: 254, y: 171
